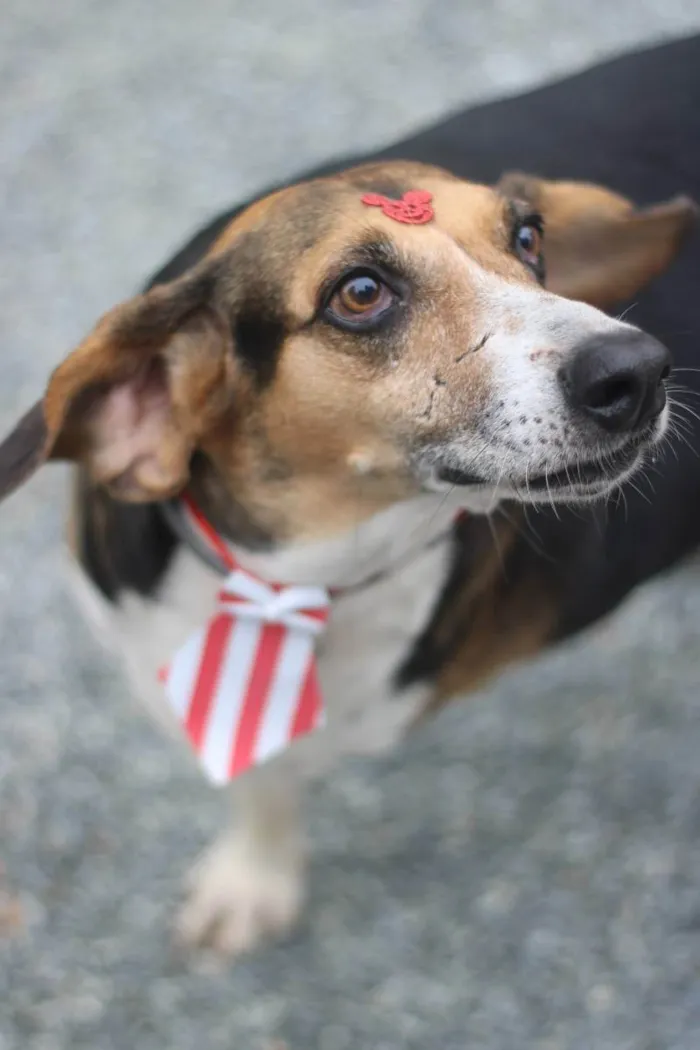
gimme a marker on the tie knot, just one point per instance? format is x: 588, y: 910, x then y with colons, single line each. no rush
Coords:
x: 304, y: 608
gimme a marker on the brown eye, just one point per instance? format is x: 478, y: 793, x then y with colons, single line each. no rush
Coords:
x: 360, y: 298
x: 528, y: 243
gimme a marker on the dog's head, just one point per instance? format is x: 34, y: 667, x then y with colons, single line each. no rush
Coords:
x: 325, y: 359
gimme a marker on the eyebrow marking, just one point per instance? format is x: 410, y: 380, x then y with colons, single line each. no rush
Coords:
x: 378, y: 250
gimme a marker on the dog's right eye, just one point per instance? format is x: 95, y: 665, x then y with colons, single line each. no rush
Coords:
x: 360, y: 299
x: 527, y: 242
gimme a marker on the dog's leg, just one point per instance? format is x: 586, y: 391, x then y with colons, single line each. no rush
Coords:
x: 250, y: 883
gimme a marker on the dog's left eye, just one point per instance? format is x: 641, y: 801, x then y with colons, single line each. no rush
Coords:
x: 359, y: 299
x: 528, y: 241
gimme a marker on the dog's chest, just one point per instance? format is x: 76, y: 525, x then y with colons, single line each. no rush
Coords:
x: 370, y: 632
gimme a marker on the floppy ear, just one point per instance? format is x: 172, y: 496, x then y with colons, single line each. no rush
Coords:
x: 132, y: 400
x: 597, y: 247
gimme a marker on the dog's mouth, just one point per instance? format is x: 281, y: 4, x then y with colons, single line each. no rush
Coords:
x: 587, y: 474
x: 585, y: 477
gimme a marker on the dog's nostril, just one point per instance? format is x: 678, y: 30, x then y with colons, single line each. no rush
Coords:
x: 666, y: 373
x: 610, y: 392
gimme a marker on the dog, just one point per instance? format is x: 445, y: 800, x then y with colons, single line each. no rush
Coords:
x: 388, y: 413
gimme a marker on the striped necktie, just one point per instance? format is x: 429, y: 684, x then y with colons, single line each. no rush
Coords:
x: 245, y: 684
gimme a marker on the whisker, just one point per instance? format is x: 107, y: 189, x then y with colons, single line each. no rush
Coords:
x: 688, y: 409
x: 426, y: 524
x: 628, y: 310
x: 685, y: 390
x: 680, y: 431
x: 497, y: 544
x: 530, y: 534
x: 549, y: 494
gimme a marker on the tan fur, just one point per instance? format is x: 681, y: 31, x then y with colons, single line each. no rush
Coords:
x: 248, y: 220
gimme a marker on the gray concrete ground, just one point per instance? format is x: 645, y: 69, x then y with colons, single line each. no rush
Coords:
x: 526, y: 874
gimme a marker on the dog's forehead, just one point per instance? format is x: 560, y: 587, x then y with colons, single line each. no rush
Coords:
x: 322, y: 218
x: 366, y: 197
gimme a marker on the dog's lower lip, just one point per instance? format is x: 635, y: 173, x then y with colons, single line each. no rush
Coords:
x: 586, y: 473
x: 454, y: 476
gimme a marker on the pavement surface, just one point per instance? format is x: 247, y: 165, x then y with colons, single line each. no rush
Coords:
x: 526, y: 873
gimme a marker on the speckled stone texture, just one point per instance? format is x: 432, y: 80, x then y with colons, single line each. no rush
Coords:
x: 526, y: 873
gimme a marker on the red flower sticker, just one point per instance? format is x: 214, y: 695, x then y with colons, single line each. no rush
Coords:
x: 414, y: 207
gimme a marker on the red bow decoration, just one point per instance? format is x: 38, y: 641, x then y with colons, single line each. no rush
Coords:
x: 414, y: 207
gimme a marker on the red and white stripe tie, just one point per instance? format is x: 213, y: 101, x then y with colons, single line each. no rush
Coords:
x: 245, y: 685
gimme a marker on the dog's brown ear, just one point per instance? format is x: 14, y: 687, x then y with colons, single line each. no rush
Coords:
x: 133, y: 399
x: 597, y: 246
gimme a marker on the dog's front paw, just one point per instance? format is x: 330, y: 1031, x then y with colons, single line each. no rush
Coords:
x: 238, y: 894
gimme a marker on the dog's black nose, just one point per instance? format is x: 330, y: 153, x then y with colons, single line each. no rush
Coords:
x: 617, y: 380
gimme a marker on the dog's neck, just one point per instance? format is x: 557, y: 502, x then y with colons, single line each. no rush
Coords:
x: 380, y: 545
x: 381, y: 542
x: 375, y: 546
